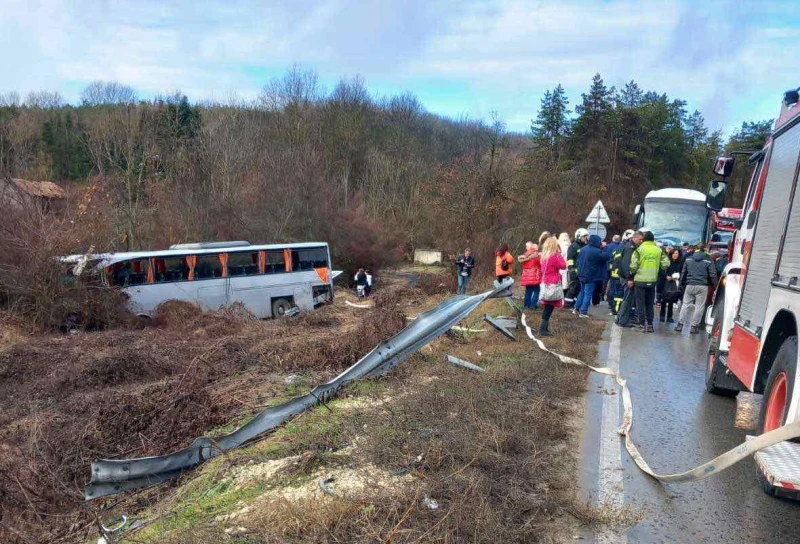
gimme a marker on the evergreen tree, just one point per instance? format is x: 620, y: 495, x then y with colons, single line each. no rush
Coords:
x: 596, y: 104
x: 631, y: 95
x: 696, y: 131
x: 551, y: 126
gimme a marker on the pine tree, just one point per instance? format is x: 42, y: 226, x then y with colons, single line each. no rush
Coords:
x: 596, y: 104
x: 631, y: 95
x: 696, y: 131
x: 551, y: 126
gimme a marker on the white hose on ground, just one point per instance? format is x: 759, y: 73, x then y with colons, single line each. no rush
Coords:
x: 715, y: 466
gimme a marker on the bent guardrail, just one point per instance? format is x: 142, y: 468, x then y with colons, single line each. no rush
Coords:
x: 112, y: 476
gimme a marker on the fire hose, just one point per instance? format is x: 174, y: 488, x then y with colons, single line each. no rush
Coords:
x: 706, y: 470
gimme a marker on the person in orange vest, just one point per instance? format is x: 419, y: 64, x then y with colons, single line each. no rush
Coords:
x: 503, y: 263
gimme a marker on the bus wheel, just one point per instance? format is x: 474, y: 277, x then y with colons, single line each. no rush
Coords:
x: 280, y: 306
x: 780, y: 383
x: 715, y: 370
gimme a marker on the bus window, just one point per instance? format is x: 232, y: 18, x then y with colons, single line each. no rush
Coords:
x: 128, y: 273
x: 309, y: 259
x: 276, y: 264
x: 208, y: 267
x: 171, y: 269
x: 243, y: 263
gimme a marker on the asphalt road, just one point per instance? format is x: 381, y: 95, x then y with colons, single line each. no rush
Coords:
x: 677, y: 426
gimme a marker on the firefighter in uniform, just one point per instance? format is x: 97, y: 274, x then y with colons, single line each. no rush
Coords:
x: 574, y: 285
x: 616, y: 285
x: 627, y: 303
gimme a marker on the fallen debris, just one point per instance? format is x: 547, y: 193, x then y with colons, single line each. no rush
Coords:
x: 501, y: 325
x: 463, y: 364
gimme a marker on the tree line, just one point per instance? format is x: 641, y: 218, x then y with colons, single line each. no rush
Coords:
x: 376, y: 177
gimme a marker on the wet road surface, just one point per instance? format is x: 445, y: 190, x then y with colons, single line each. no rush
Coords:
x: 677, y: 426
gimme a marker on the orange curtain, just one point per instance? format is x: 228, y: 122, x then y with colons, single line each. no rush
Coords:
x: 223, y: 259
x: 262, y: 262
x: 150, y: 278
x: 191, y: 262
x: 137, y: 267
x: 323, y: 274
x: 287, y: 259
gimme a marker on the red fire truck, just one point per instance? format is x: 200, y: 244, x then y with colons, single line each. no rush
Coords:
x: 754, y: 318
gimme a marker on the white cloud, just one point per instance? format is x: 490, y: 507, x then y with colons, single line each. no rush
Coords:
x: 727, y: 59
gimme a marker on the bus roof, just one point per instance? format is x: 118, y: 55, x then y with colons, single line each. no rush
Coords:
x: 676, y: 194
x: 108, y: 259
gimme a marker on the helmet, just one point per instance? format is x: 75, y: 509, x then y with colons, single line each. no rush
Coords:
x: 643, y: 230
x: 580, y: 233
x: 627, y: 235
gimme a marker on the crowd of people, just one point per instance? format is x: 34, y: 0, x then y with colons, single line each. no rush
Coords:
x: 632, y: 272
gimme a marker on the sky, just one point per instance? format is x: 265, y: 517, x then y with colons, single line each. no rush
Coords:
x: 732, y: 60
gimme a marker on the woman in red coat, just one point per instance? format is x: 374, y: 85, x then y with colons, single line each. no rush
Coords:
x: 552, y: 265
x: 531, y: 275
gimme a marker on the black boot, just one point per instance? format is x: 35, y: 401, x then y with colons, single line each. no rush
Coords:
x: 544, y: 328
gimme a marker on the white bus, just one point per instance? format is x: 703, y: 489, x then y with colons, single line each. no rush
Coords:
x: 268, y: 279
x: 675, y: 216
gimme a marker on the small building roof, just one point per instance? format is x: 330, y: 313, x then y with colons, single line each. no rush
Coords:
x: 39, y: 189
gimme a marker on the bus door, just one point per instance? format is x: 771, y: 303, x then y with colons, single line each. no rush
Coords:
x: 249, y: 281
x: 303, y: 297
x: 211, y: 279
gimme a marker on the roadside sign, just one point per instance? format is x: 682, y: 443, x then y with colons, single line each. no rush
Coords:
x: 598, y: 214
x: 598, y: 229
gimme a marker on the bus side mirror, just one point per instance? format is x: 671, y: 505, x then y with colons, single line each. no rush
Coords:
x: 715, y: 198
x: 723, y: 166
x: 636, y: 212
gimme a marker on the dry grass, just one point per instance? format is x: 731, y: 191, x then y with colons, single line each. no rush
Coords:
x: 493, y: 450
x: 66, y: 400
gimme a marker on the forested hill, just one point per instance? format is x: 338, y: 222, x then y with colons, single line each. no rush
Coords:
x: 374, y: 176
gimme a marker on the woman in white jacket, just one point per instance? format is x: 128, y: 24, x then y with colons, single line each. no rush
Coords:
x: 563, y: 243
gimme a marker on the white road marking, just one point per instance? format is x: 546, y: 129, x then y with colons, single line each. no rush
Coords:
x: 611, y: 491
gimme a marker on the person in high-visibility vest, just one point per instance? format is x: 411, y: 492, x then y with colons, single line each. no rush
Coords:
x: 646, y: 262
x: 628, y: 298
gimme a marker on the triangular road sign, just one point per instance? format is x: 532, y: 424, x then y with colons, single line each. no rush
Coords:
x: 598, y: 214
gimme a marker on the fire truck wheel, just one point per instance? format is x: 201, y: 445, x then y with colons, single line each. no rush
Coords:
x: 780, y: 384
x: 715, y: 370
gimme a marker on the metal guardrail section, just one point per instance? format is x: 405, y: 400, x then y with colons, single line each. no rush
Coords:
x: 112, y: 476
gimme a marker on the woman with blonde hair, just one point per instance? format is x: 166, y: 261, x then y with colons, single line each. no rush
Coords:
x: 551, y: 295
x: 544, y: 236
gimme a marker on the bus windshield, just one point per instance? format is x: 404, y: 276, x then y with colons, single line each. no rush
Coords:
x: 675, y: 223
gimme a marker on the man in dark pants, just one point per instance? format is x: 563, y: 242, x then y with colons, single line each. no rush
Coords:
x: 646, y: 263
x: 626, y: 280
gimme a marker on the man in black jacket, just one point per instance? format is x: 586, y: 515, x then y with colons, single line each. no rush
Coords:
x: 465, y: 263
x: 697, y: 276
x: 624, y: 312
x: 573, y: 252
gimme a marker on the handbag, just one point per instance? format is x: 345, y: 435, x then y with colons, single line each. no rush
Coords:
x: 550, y: 292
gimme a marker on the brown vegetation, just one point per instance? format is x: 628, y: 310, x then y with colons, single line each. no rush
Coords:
x: 66, y: 400
x: 495, y: 451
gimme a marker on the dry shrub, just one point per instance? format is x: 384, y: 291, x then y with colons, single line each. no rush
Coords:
x: 67, y: 400
x: 176, y: 314
x: 31, y: 285
x: 437, y: 284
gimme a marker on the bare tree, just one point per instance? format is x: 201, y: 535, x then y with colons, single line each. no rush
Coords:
x: 46, y: 100
x: 108, y: 93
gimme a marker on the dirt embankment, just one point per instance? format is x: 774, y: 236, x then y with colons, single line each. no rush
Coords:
x: 429, y: 453
x: 66, y: 400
